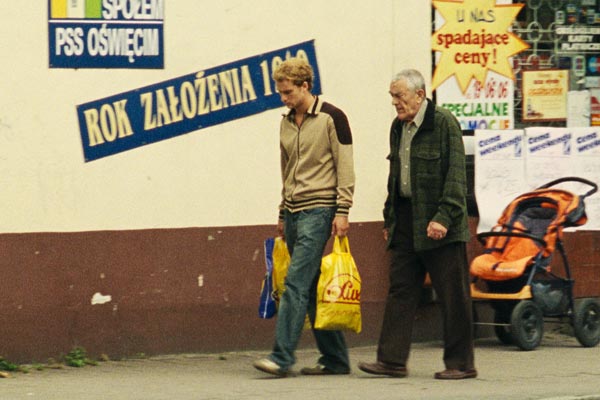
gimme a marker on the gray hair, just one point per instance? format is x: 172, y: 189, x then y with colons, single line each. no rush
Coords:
x: 414, y: 79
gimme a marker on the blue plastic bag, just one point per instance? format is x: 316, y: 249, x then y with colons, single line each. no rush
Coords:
x: 268, y: 305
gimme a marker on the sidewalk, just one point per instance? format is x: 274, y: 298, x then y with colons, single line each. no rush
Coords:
x: 559, y: 369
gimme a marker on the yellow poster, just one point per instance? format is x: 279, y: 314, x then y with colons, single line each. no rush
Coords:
x: 545, y: 95
x: 475, y: 39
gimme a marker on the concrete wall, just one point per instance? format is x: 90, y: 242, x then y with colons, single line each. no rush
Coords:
x: 173, y: 231
x: 159, y: 249
x: 201, y: 178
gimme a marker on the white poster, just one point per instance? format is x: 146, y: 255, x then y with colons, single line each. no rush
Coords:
x: 578, y: 108
x: 554, y: 153
x: 489, y: 106
x: 509, y: 163
x: 499, y: 173
x: 587, y: 154
x: 548, y: 154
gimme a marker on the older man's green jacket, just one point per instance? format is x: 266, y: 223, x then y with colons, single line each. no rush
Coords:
x: 438, y: 178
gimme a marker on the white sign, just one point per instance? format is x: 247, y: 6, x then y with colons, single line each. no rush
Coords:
x: 509, y: 163
x: 499, y: 173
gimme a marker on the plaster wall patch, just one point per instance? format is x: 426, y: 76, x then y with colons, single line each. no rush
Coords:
x: 99, y: 298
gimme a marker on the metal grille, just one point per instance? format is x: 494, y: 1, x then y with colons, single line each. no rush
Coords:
x: 537, y: 25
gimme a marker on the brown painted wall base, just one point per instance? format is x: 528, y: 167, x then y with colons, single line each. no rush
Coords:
x: 180, y: 290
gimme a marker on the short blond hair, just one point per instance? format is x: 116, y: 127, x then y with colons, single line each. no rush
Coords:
x: 295, y: 70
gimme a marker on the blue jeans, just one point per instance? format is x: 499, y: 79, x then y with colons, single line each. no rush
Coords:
x: 306, y: 234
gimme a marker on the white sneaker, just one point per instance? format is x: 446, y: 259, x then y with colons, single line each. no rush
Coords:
x: 268, y: 366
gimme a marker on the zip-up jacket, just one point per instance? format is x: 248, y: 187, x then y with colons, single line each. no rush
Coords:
x: 317, y: 164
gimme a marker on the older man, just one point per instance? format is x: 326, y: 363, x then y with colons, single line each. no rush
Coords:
x: 426, y: 229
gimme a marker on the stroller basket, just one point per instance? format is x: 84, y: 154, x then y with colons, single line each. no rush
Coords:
x: 552, y: 296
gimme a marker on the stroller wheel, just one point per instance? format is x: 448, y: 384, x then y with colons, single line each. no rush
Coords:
x: 527, y: 325
x: 586, y: 323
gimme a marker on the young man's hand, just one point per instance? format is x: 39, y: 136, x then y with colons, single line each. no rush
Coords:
x: 340, y: 226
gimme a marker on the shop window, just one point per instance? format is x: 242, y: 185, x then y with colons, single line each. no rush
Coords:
x: 562, y: 34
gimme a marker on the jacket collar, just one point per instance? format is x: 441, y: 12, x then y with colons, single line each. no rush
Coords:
x: 428, y: 119
x: 314, y: 109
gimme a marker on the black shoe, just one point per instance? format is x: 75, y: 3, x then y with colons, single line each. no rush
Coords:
x: 456, y: 374
x: 381, y: 368
x: 321, y: 370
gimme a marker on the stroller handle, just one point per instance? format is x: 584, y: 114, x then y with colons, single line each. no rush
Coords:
x: 484, y: 235
x: 593, y: 190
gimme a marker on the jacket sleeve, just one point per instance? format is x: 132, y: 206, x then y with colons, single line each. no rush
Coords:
x: 454, y: 189
x: 341, y: 146
x: 387, y: 206
x: 283, y: 160
x: 392, y: 157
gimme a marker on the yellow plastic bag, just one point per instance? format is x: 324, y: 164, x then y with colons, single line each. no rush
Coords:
x: 338, y: 291
x: 281, y: 262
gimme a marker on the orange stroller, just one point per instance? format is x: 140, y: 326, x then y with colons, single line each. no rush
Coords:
x: 514, y: 272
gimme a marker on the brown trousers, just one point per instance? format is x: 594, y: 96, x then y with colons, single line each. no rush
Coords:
x: 449, y: 272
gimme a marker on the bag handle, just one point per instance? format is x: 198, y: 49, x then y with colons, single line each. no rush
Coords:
x: 341, y: 244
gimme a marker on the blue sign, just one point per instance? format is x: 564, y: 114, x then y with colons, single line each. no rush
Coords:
x: 171, y: 108
x: 106, y: 33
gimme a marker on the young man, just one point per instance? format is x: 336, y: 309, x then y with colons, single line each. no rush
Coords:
x: 318, y: 184
x: 426, y: 230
